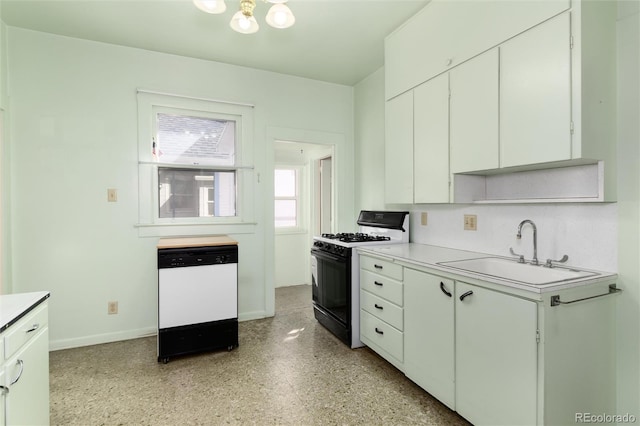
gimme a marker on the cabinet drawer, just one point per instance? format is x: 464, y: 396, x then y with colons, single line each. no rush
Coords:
x: 381, y: 267
x: 382, y: 334
x: 25, y: 329
x: 383, y: 309
x: 381, y: 286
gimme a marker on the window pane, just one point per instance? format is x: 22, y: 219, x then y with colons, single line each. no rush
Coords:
x: 183, y: 139
x: 285, y: 183
x: 285, y: 213
x: 196, y: 193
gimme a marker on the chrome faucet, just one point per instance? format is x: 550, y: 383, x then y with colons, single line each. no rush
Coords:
x: 534, y: 261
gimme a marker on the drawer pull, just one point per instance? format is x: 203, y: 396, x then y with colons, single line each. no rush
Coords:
x: 378, y: 306
x: 378, y: 266
x: 444, y: 290
x: 379, y: 331
x: 21, y: 364
x: 378, y: 283
x: 33, y: 328
x: 462, y: 297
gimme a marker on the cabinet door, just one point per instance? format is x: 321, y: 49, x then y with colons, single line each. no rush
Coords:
x: 474, y: 114
x: 535, y: 95
x: 398, y: 147
x: 27, y: 401
x: 431, y: 141
x: 496, y: 357
x: 428, y: 334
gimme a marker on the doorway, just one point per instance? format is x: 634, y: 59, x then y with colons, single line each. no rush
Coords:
x: 304, y: 206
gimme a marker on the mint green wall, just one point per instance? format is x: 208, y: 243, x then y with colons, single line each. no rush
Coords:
x: 369, y: 141
x: 5, y: 224
x: 628, y: 332
x: 74, y: 134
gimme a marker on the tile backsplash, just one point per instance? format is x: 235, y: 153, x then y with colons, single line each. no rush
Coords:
x: 587, y: 233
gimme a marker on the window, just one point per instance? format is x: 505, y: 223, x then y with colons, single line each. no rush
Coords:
x: 286, y: 198
x: 194, y: 163
x: 194, y: 141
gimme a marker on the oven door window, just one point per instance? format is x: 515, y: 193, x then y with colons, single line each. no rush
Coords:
x: 331, y: 276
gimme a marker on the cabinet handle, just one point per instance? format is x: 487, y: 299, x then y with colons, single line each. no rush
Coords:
x: 378, y: 306
x: 469, y: 293
x: 444, y: 290
x: 449, y: 61
x: 379, y: 331
x: 21, y: 364
x: 378, y: 266
x: 4, y: 390
x: 378, y: 283
x: 34, y: 327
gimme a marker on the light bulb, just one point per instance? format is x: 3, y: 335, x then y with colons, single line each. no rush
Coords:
x: 244, y: 23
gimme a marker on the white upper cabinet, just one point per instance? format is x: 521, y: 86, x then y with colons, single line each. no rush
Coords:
x: 474, y: 114
x: 431, y: 141
x: 448, y: 32
x: 535, y: 95
x: 398, y: 149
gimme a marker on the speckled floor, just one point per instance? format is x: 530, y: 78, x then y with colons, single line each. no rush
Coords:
x: 288, y: 370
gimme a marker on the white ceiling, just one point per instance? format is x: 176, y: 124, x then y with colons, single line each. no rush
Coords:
x: 339, y: 41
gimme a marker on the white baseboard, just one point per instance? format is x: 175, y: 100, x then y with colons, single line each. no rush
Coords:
x: 97, y: 339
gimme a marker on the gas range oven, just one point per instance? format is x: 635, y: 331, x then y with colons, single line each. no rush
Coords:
x: 335, y: 270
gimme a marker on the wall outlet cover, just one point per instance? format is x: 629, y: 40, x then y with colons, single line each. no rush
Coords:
x: 470, y: 222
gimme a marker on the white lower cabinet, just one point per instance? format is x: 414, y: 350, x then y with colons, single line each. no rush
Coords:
x: 496, y: 357
x: 428, y: 334
x: 25, y: 370
x: 381, y: 308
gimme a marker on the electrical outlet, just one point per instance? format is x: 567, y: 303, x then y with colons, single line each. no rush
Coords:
x: 112, y: 308
x: 470, y: 222
x: 112, y: 195
x: 423, y: 219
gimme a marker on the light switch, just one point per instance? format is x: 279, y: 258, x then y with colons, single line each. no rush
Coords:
x: 423, y: 219
x: 112, y: 195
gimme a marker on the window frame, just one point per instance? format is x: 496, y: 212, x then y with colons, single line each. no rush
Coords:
x: 149, y: 220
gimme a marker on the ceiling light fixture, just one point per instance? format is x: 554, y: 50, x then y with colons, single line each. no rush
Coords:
x: 243, y: 21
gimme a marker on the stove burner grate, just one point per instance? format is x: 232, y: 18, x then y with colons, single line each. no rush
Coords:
x: 357, y: 237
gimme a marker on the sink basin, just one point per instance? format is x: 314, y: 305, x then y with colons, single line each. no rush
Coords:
x: 514, y: 271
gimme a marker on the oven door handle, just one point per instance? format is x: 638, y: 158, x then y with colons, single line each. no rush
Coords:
x: 328, y: 256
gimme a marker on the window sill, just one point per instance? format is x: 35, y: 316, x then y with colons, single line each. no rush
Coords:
x: 194, y: 229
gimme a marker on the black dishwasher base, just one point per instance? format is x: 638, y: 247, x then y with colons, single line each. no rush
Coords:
x: 189, y: 339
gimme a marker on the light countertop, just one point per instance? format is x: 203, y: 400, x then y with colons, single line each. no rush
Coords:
x: 207, y: 241
x: 427, y: 256
x: 15, y: 306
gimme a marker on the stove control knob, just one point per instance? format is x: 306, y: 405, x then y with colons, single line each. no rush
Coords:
x: 318, y: 244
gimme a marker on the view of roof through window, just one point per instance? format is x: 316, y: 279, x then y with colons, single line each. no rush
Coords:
x: 184, y: 139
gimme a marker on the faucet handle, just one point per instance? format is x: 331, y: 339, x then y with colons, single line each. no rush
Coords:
x: 513, y: 253
x: 550, y: 262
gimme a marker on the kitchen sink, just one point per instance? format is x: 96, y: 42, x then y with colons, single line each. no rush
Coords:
x: 521, y: 272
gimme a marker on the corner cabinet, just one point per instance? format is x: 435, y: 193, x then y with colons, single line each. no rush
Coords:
x: 25, y: 369
x: 497, y: 355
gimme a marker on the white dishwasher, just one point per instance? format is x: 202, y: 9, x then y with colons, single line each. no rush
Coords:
x: 197, y: 299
